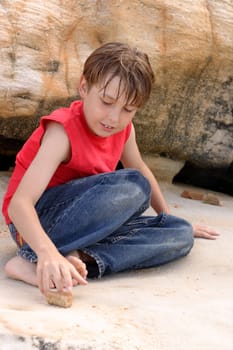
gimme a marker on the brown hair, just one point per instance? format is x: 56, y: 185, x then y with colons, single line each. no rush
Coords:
x: 128, y: 63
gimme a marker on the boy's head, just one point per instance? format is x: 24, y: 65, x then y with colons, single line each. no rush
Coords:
x: 129, y: 64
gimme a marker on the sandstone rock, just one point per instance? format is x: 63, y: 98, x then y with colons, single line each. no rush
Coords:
x: 210, y: 198
x: 163, y: 168
x: 190, y: 43
x: 62, y: 299
x: 192, y: 195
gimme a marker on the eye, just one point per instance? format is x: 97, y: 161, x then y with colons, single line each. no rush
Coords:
x: 106, y: 103
x: 129, y: 110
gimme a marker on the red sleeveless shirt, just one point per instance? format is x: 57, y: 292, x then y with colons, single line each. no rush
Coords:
x: 91, y: 154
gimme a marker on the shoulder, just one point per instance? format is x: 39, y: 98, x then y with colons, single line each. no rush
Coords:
x: 64, y: 114
x: 67, y: 118
x: 55, y: 132
x: 56, y: 138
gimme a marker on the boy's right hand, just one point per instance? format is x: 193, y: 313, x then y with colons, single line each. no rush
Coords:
x: 56, y: 269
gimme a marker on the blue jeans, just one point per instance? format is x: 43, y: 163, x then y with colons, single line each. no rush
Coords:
x: 101, y: 216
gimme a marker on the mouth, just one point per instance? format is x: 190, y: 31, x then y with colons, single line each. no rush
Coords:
x: 108, y: 127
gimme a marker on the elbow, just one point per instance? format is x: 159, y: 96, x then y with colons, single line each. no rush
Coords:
x: 19, y: 204
x: 12, y: 208
x: 15, y: 206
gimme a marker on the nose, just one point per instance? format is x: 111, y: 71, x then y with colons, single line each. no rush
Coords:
x: 114, y: 115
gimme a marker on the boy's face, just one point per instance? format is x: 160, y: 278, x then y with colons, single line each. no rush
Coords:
x: 104, y: 112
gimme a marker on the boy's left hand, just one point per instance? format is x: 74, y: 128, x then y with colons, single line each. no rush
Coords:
x: 203, y: 231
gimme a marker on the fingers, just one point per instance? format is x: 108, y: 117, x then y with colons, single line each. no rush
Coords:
x: 206, y: 235
x: 62, y: 276
x: 203, y: 231
x: 73, y: 277
x: 80, y: 279
x: 49, y: 277
x: 66, y: 282
x: 79, y: 265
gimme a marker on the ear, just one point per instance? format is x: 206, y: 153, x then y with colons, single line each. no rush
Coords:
x: 83, y: 88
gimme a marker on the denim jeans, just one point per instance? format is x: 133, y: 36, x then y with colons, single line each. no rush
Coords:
x: 102, y: 216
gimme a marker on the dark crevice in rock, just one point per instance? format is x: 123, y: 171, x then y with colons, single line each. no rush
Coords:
x: 8, y: 150
x: 6, y: 162
x: 215, y: 179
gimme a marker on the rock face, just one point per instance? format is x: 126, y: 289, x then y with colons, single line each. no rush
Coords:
x: 190, y: 43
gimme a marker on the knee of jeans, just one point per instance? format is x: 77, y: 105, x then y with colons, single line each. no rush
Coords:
x: 140, y: 181
x: 187, y: 237
x: 183, y: 232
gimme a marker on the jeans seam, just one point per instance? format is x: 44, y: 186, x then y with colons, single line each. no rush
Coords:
x: 133, y: 231
x: 48, y: 209
x: 121, y: 237
x: 62, y: 203
x: 162, y: 220
x: 71, y: 202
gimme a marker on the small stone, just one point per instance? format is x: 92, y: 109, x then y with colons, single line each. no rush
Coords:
x: 62, y: 299
x: 176, y: 205
x: 192, y: 195
x: 210, y: 198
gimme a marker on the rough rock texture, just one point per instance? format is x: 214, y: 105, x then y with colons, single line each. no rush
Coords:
x: 44, y: 44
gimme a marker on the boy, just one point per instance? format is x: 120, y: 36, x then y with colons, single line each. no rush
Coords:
x: 69, y: 211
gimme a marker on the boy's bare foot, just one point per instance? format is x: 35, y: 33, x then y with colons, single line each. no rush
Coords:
x: 75, y: 259
x: 77, y: 256
x: 20, y: 269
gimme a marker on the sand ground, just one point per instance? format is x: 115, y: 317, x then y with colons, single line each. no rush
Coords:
x: 187, y: 304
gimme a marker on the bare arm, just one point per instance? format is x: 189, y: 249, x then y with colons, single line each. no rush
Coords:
x: 131, y: 158
x: 54, y: 149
